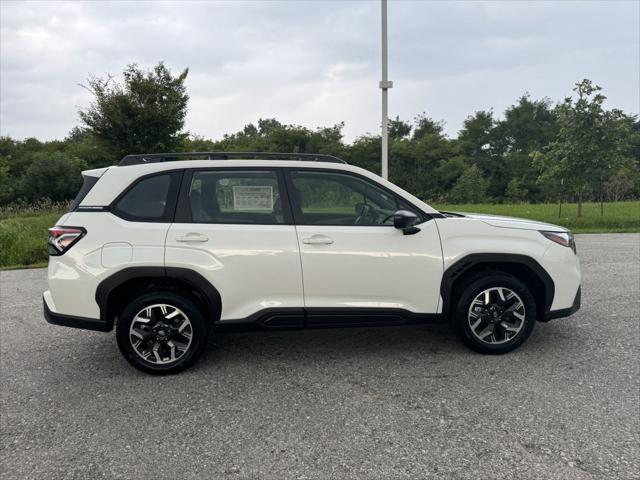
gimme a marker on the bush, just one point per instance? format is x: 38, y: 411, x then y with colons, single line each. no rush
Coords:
x: 54, y: 176
x: 471, y: 187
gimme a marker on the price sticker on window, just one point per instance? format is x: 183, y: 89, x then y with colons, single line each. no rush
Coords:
x: 253, y: 198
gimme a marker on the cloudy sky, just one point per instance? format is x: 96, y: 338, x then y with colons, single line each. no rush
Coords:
x: 315, y: 63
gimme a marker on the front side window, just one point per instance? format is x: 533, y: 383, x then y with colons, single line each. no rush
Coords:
x: 146, y: 200
x: 246, y: 197
x: 328, y: 198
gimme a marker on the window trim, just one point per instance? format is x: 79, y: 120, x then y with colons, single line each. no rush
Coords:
x: 424, y: 216
x: 183, y: 211
x: 172, y: 197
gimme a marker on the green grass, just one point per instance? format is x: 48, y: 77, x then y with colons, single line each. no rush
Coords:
x: 23, y: 238
x: 618, y: 217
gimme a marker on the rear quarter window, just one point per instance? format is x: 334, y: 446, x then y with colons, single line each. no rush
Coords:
x: 150, y: 199
x: 87, y: 185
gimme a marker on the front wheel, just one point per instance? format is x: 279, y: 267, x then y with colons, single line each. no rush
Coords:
x: 495, y: 313
x: 161, y: 333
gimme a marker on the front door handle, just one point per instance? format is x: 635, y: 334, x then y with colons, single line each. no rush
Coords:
x: 317, y: 240
x: 193, y: 238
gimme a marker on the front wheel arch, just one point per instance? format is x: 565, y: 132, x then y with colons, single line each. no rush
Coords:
x: 524, y: 268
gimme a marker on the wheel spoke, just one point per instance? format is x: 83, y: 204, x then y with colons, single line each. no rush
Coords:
x: 508, y: 328
x: 173, y: 350
x: 475, y: 324
x: 184, y: 325
x: 486, y: 332
x: 142, y: 335
x: 179, y: 345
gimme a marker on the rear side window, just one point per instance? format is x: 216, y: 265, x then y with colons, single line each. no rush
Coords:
x: 150, y: 199
x: 236, y: 196
x: 87, y: 185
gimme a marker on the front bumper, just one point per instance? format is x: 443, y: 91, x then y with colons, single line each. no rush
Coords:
x: 565, y: 312
x: 72, y: 321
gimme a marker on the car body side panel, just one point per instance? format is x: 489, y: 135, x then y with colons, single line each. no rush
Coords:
x: 253, y: 267
x: 465, y: 236
x: 74, y: 276
x: 372, y: 267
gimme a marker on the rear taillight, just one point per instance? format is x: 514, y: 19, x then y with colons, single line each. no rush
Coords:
x: 62, y: 239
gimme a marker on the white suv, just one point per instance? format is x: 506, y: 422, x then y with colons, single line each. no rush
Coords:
x: 167, y: 248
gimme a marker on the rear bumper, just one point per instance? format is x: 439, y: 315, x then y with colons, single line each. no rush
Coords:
x: 565, y: 312
x: 72, y: 321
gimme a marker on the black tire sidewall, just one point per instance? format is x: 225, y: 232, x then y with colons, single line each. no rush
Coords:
x: 473, y: 288
x: 198, y: 324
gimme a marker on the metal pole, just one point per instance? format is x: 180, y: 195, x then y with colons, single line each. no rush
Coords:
x: 385, y: 85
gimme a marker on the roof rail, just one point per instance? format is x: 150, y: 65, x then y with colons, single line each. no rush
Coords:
x: 167, y: 157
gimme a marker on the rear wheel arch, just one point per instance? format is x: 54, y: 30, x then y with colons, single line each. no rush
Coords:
x: 117, y: 290
x: 524, y: 268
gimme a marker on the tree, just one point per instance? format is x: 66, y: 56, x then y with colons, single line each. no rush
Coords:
x: 398, y: 129
x: 6, y: 187
x: 471, y: 187
x: 591, y: 143
x: 528, y: 125
x: 516, y: 192
x: 618, y: 186
x: 144, y: 114
x: 478, y: 146
x: 53, y: 176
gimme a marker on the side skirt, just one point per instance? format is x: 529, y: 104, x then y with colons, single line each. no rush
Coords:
x: 299, y: 318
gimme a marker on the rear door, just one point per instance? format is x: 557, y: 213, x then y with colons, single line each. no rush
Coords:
x: 352, y: 256
x: 234, y: 227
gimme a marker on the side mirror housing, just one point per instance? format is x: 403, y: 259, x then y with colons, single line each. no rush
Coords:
x: 406, y: 221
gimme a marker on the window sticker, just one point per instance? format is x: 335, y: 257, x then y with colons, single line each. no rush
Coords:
x: 253, y: 198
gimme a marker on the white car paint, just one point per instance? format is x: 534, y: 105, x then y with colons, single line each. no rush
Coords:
x: 265, y: 266
x: 254, y: 267
x: 373, y: 267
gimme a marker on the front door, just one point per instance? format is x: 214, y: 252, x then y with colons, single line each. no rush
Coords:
x: 352, y: 256
x: 234, y: 229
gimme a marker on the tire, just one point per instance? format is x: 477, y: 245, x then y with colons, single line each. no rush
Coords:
x: 171, y: 330
x: 496, y: 318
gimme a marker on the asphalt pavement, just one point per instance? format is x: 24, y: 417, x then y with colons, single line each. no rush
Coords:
x: 381, y: 403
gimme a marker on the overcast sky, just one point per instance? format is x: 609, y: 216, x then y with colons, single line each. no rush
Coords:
x: 315, y: 63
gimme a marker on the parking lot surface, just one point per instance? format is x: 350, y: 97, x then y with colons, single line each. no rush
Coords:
x: 381, y: 403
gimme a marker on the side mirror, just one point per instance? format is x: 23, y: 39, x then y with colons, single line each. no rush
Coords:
x: 405, y: 221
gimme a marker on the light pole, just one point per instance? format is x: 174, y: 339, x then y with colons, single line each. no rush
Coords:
x: 385, y: 85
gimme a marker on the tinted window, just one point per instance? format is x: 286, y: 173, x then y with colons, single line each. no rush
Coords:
x: 147, y: 199
x: 325, y: 198
x: 87, y: 185
x: 235, y: 197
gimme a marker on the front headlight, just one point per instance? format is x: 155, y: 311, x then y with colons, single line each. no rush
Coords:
x: 561, y: 238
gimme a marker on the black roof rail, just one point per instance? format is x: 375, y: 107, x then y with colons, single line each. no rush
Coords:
x: 167, y: 157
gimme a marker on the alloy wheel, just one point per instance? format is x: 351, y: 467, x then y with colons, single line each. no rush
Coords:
x: 496, y: 315
x: 161, y: 334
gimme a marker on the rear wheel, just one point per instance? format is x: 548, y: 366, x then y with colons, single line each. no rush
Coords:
x: 161, y: 333
x: 495, y: 313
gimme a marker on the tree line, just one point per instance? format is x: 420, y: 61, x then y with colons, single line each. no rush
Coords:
x: 537, y: 151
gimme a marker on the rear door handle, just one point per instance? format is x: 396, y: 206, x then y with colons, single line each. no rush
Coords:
x: 193, y: 238
x: 317, y: 240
